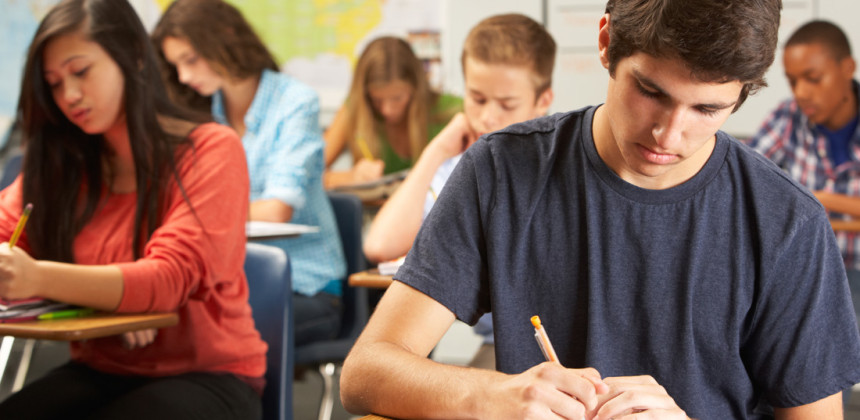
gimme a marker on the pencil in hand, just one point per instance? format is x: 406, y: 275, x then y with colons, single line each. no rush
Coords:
x: 365, y: 150
x: 543, y: 341
x: 21, y: 223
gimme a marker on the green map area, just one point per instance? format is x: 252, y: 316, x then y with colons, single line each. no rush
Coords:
x: 306, y: 28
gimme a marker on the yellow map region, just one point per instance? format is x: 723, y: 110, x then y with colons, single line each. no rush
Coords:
x: 307, y: 28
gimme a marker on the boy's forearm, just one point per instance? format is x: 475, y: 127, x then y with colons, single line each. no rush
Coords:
x: 395, y: 226
x: 384, y: 379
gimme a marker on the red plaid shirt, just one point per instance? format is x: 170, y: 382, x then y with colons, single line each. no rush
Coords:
x: 797, y: 146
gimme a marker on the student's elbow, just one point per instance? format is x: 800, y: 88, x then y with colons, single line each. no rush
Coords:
x: 373, y: 250
x: 378, y: 250
x: 351, y: 386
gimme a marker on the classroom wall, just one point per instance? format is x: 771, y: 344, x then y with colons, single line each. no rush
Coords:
x: 318, y: 42
x: 579, y: 79
x: 315, y: 41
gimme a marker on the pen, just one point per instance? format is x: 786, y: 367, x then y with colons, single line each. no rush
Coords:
x: 365, y: 151
x: 20, y: 227
x: 543, y: 341
x: 68, y: 313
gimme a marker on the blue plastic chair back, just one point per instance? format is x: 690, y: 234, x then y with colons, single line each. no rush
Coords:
x: 324, y: 354
x: 270, y: 295
x: 11, y: 170
x: 347, y: 210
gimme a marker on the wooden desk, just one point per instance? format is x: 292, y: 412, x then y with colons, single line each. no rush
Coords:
x: 94, y: 326
x: 370, y: 278
x: 845, y: 225
x: 374, y: 417
x: 72, y: 329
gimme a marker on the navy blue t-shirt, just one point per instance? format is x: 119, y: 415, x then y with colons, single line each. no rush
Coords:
x: 729, y: 289
x: 839, y: 141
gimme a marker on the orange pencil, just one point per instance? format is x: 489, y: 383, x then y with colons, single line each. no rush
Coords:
x: 543, y: 341
x: 20, y: 227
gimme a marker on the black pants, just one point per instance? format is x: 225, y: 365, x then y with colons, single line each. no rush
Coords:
x: 316, y: 317
x: 75, y: 391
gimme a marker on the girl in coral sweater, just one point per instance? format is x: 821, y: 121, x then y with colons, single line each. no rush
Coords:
x: 137, y: 208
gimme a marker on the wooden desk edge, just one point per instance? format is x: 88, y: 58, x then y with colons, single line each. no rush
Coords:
x: 845, y: 225
x: 370, y: 278
x: 96, y: 326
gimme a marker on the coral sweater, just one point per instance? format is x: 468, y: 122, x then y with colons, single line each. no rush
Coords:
x: 192, y: 265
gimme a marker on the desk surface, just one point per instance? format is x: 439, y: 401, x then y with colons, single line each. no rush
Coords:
x: 94, y: 326
x: 257, y: 230
x: 370, y: 278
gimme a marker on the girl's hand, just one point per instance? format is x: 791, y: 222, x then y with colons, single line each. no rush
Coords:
x: 19, y: 274
x: 138, y: 339
x: 367, y: 170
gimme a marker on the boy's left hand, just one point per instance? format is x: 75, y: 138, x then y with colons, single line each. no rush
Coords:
x: 455, y: 138
x: 639, y: 395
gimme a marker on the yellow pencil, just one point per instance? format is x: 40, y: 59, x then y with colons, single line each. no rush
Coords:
x: 365, y: 151
x: 20, y: 227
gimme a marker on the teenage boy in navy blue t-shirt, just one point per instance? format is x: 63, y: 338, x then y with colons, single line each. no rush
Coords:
x: 647, y: 241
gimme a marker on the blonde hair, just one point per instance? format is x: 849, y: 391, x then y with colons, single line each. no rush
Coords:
x: 516, y: 40
x: 385, y: 60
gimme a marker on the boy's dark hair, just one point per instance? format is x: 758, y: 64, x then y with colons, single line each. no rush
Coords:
x: 824, y: 33
x: 719, y: 40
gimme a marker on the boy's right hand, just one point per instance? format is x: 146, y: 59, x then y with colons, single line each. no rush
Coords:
x: 455, y: 138
x: 546, y: 391
x: 367, y: 170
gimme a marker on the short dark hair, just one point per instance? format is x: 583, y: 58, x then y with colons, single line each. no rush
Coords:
x: 719, y: 40
x: 825, y: 33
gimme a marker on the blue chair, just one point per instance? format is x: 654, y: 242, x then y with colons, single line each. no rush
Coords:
x: 10, y: 170
x: 325, y: 355
x: 270, y: 295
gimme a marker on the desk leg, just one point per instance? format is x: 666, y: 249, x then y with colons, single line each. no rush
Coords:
x: 5, y: 351
x: 24, y: 365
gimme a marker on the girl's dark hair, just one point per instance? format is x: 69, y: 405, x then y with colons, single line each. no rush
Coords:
x: 719, y: 40
x: 63, y: 173
x: 218, y: 33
